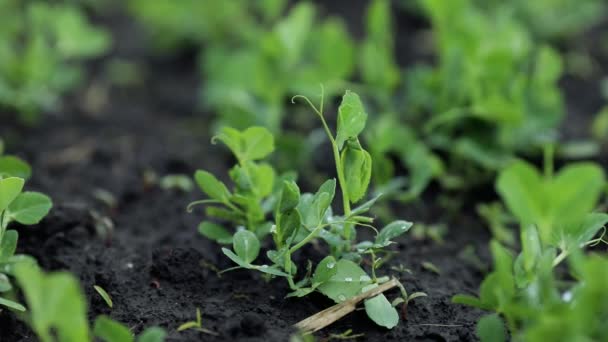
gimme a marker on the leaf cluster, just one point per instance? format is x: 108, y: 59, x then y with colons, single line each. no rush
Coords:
x: 556, y: 219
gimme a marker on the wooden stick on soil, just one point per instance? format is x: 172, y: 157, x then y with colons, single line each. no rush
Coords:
x: 328, y: 316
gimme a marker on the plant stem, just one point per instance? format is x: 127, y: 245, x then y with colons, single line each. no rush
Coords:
x: 548, y: 152
x: 374, y: 278
x: 337, y: 160
x: 309, y: 237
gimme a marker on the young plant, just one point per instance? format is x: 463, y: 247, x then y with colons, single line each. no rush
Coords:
x: 543, y: 308
x: 254, y: 182
x: 19, y: 206
x: 299, y: 219
x: 559, y: 205
x: 57, y: 310
x: 196, y: 325
x: 554, y: 212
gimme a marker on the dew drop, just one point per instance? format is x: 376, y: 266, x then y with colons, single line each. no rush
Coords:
x: 341, y: 297
x: 364, y: 278
x: 348, y: 279
x: 331, y: 265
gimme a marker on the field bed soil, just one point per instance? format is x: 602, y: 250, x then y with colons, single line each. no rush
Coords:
x: 156, y: 267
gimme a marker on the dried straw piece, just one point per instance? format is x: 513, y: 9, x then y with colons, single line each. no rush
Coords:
x: 328, y: 316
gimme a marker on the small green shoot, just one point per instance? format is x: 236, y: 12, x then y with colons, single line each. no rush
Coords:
x: 104, y: 295
x: 196, y: 325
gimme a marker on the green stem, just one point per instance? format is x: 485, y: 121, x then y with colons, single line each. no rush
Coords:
x: 307, y: 239
x: 292, y: 285
x: 374, y: 278
x: 339, y: 167
x: 548, y: 153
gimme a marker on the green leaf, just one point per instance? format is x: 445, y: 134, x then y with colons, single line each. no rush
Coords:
x: 290, y: 196
x: 215, y: 232
x: 104, y: 295
x: 357, y: 165
x: 12, y: 305
x: 153, y: 334
x: 391, y: 231
x: 289, y: 223
x: 587, y: 229
x: 8, y: 245
x: 5, y: 284
x: 263, y: 178
x: 348, y: 281
x: 109, y: 330
x: 380, y: 310
x: 301, y: 292
x: 258, y: 143
x: 237, y: 260
x: 365, y: 207
x: 469, y: 301
x: 293, y: 31
x: 351, y: 118
x: 520, y: 186
x: 325, y: 270
x: 491, y: 328
x: 231, y: 138
x: 56, y: 304
x: 270, y: 270
x: 314, y: 207
x: 30, y: 207
x: 335, y: 50
x: 575, y: 191
x: 531, y: 246
x: 9, y: 190
x: 14, y: 167
x: 246, y: 245
x: 213, y: 187
x: 378, y: 67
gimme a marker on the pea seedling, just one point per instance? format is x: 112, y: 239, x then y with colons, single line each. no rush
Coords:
x: 26, y: 208
x: 554, y: 212
x: 57, y: 310
x: 298, y: 219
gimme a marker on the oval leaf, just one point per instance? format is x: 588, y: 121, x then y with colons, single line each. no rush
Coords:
x: 215, y: 232
x: 351, y: 118
x: 109, y: 330
x: 246, y: 245
x: 325, y: 270
x: 14, y: 167
x: 290, y: 196
x: 258, y: 143
x: 30, y: 207
x: 10, y: 188
x: 8, y: 245
x: 212, y: 186
x: 357, y: 165
x: 391, y: 231
x: 380, y: 310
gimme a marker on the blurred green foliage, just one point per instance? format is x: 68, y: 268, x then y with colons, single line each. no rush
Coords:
x: 42, y: 47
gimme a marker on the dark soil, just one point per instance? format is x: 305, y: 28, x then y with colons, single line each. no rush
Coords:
x: 155, y: 265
